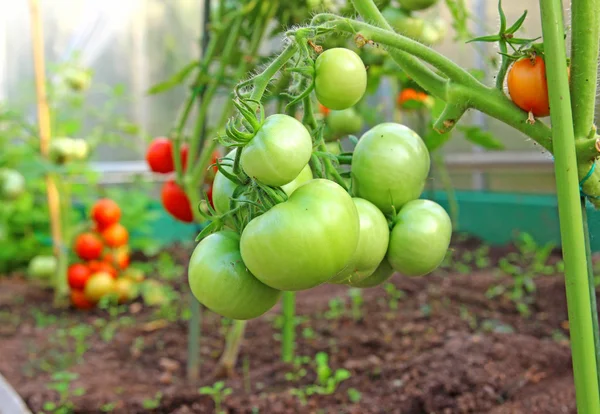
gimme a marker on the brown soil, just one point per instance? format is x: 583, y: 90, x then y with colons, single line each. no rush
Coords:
x: 445, y: 349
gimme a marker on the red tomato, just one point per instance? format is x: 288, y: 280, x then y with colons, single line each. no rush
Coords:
x: 160, y: 155
x: 96, y: 266
x: 213, y: 160
x: 528, y: 87
x: 176, y: 202
x: 106, y: 212
x: 116, y: 235
x: 79, y: 300
x: 120, y: 259
x: 88, y: 246
x: 77, y: 275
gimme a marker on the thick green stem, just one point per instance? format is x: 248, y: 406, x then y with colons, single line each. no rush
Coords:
x: 569, y: 209
x: 288, y: 308
x: 585, y: 42
x: 262, y: 81
x: 232, y: 346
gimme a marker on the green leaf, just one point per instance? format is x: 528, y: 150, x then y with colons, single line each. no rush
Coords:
x: 517, y: 25
x: 480, y: 137
x: 502, y: 17
x: 489, y: 38
x: 175, y: 80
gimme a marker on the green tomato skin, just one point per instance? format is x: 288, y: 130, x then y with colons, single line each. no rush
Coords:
x: 341, y: 78
x: 220, y: 280
x: 403, y: 23
x: 389, y: 166
x: 223, y: 187
x: 373, y: 242
x: 278, y: 152
x: 344, y: 122
x: 383, y: 272
x: 415, y: 5
x: 305, y: 176
x: 42, y: 267
x: 333, y: 148
x: 12, y: 184
x: 420, y: 238
x: 304, y: 241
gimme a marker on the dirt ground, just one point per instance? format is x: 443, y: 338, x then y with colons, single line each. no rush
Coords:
x: 442, y: 347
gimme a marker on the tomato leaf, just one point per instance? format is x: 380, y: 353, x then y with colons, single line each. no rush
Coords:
x: 517, y: 25
x: 175, y: 80
x: 490, y: 38
x: 480, y: 137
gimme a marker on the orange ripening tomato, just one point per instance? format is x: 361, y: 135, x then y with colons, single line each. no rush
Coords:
x: 115, y: 235
x: 88, y: 246
x: 97, y: 266
x: 105, y: 212
x: 528, y: 86
x: 323, y: 109
x: 79, y: 300
x: 120, y: 259
x: 176, y: 202
x: 77, y: 275
x: 406, y: 95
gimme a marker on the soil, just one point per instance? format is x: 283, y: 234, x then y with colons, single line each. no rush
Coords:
x: 445, y: 349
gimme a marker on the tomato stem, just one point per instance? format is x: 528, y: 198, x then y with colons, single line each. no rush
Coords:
x: 581, y: 325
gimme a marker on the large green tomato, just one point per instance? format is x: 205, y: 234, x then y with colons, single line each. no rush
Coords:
x: 42, y: 267
x: 340, y: 78
x: 403, y: 23
x: 278, y: 152
x: 389, y: 166
x: 372, y: 243
x: 420, y: 238
x: 220, y: 280
x: 304, y: 241
x: 383, y: 272
x: 304, y: 176
x: 344, y: 122
x: 414, y: 5
x: 12, y: 184
x: 223, y: 187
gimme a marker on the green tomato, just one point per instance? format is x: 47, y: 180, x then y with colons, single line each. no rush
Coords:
x: 304, y: 176
x: 403, y: 23
x: 304, y: 241
x: 389, y: 166
x: 383, y: 272
x: 62, y: 149
x: 333, y: 147
x: 42, y: 267
x: 223, y: 187
x: 12, y: 184
x: 340, y: 78
x: 278, y: 152
x: 414, y: 5
x: 372, y: 243
x: 220, y: 280
x: 344, y: 122
x: 78, y: 79
x: 79, y: 149
x: 420, y: 238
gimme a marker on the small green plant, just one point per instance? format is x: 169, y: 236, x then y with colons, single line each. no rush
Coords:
x: 217, y: 392
x: 354, y: 395
x: 308, y: 333
x: 80, y: 334
x: 61, y: 383
x: 108, y: 407
x: 356, y: 301
x: 298, y: 370
x: 152, y: 403
x: 42, y: 320
x: 394, y: 295
x: 336, y: 309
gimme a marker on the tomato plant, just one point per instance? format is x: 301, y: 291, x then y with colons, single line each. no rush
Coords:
x: 528, y: 86
x: 118, y: 257
x: 105, y: 213
x: 344, y: 122
x: 12, y: 184
x: 220, y: 280
x: 88, y: 246
x: 99, y: 285
x: 80, y: 301
x: 98, y: 266
x: 116, y: 235
x: 77, y: 276
x: 176, y: 202
x: 340, y: 78
x: 159, y: 155
x: 42, y: 267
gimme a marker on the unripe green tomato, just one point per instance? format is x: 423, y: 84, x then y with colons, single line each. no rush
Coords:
x: 420, y: 238
x: 372, y: 243
x: 333, y: 147
x: 12, y: 184
x: 42, y: 267
x: 415, y: 5
x: 80, y: 149
x: 62, y: 150
x: 340, y: 78
x: 383, y: 272
x: 279, y: 150
x: 344, y: 122
x: 304, y: 176
x: 78, y: 79
x: 404, y: 24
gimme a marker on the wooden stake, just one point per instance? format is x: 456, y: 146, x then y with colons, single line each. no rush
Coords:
x: 37, y: 40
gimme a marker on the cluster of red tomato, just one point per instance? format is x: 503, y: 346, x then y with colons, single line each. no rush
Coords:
x: 355, y: 231
x: 104, y: 252
x: 159, y: 157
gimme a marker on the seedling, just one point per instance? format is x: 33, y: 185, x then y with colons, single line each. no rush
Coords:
x: 218, y: 392
x: 354, y: 395
x: 152, y: 403
x: 356, y: 301
x: 336, y: 309
x: 61, y: 383
x: 298, y: 370
x: 394, y: 295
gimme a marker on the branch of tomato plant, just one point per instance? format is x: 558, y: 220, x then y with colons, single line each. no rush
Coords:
x: 583, y: 348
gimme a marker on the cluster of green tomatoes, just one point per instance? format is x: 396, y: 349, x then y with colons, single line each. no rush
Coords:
x: 289, y: 227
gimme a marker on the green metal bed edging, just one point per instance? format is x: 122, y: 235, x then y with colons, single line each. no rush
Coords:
x: 494, y: 217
